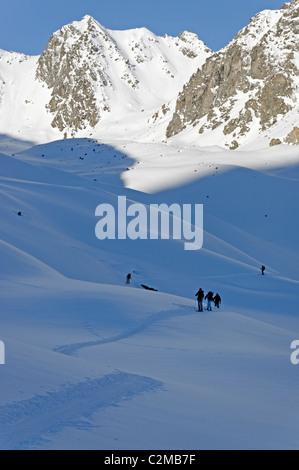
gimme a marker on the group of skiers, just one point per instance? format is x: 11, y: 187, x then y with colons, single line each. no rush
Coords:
x: 200, y: 294
x: 209, y: 298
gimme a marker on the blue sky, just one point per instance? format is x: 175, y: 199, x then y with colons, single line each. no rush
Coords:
x: 26, y: 25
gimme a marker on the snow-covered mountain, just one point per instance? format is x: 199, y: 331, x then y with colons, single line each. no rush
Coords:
x: 89, y: 74
x: 249, y: 88
x: 92, y: 71
x: 94, y: 81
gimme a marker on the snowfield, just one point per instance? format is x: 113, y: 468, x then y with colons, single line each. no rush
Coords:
x: 94, y: 364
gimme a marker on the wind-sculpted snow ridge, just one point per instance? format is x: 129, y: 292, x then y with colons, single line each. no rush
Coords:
x: 29, y: 422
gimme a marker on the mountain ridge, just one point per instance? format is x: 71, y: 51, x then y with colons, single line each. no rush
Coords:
x: 248, y: 85
x: 93, y: 81
x: 87, y: 71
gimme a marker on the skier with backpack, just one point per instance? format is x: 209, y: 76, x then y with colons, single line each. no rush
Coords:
x: 209, y: 297
x: 217, y: 300
x: 200, y: 296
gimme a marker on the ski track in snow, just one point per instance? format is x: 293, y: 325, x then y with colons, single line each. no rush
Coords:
x: 72, y: 349
x: 28, y: 423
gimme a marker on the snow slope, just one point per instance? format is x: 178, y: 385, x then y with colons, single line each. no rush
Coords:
x: 92, y: 363
x: 23, y: 99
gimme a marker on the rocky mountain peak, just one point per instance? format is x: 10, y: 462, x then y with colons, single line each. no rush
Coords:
x: 250, y: 83
x: 91, y: 79
x: 86, y: 65
x: 70, y: 67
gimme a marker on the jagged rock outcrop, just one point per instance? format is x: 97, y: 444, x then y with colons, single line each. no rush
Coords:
x: 249, y: 84
x: 91, y: 80
x: 275, y: 142
x: 88, y: 67
x: 70, y: 67
x: 293, y: 137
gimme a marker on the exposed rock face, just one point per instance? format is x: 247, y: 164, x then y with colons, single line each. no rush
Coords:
x: 250, y: 82
x: 69, y: 67
x: 234, y: 145
x: 293, y: 137
x: 91, y: 80
x: 85, y: 65
x: 275, y: 142
x: 187, y: 39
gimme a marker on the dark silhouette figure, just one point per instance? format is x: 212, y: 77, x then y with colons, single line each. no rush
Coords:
x: 200, y: 296
x: 209, y: 297
x: 129, y: 277
x: 263, y: 270
x: 217, y: 300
